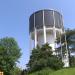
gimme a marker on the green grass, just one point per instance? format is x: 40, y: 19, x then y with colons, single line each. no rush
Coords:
x: 68, y: 71
x: 47, y: 71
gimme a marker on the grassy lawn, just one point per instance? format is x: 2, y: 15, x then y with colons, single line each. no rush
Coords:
x: 47, y: 71
x: 69, y: 71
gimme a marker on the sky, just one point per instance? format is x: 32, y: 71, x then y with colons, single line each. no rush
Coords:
x: 14, y: 20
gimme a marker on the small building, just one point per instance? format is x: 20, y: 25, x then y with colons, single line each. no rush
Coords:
x: 1, y: 73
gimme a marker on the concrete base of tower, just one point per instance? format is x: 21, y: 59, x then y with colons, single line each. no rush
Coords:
x: 66, y: 62
x: 50, y: 39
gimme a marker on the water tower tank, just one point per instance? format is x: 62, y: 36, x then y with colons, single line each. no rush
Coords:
x: 45, y: 26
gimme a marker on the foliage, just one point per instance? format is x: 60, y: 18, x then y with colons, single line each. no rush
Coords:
x: 9, y: 54
x: 16, y: 71
x: 43, y: 57
x: 72, y: 61
x: 24, y: 72
x: 70, y: 39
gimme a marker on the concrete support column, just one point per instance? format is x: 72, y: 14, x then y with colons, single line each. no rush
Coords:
x: 35, y: 34
x: 67, y: 55
x: 61, y: 45
x: 44, y: 28
x: 35, y: 37
x: 54, y: 32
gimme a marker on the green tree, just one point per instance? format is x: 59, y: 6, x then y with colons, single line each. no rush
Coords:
x: 9, y: 54
x: 16, y: 71
x: 70, y: 40
x: 43, y: 57
x: 24, y: 72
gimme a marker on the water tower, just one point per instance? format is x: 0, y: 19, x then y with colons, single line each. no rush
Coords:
x: 44, y: 27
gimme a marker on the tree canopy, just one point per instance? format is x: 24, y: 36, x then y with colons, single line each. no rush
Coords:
x: 42, y: 57
x: 70, y: 40
x: 9, y: 54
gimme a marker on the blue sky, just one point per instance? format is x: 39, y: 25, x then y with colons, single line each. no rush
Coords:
x: 14, y: 19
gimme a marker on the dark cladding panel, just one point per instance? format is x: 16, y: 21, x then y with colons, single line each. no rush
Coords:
x: 58, y: 20
x: 39, y: 19
x: 48, y: 18
x: 31, y: 23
